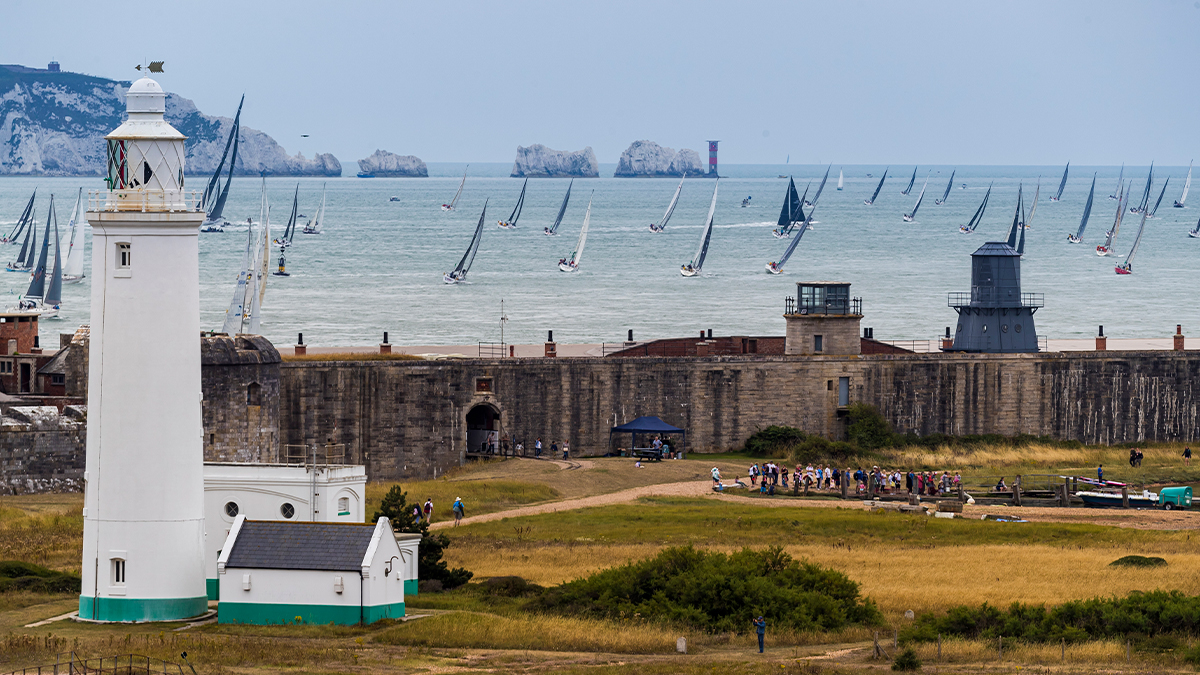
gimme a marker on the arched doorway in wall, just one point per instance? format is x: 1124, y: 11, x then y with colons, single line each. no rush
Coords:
x: 483, y: 424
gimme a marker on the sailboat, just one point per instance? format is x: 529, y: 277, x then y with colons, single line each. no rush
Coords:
x: 777, y: 266
x: 908, y: 217
x: 38, y: 298
x: 1061, y: 184
x: 1087, y: 212
x: 22, y: 222
x: 1145, y: 193
x: 841, y: 180
x: 459, y: 274
x: 1160, y: 196
x: 910, y: 182
x: 947, y: 192
x: 1187, y: 184
x: 258, y: 279
x: 247, y: 281
x: 313, y: 226
x: 1127, y: 266
x: 1016, y: 224
x: 1195, y: 231
x: 72, y: 271
x: 454, y: 202
x: 552, y: 231
x: 213, y: 199
x: 572, y: 263
x: 693, y: 268
x: 791, y: 213
x: 511, y: 223
x: 1120, y: 182
x: 978, y: 217
x: 877, y: 188
x: 1106, y: 248
x: 289, y: 232
x: 662, y: 224
x: 24, y: 261
x: 1033, y: 209
x: 820, y: 188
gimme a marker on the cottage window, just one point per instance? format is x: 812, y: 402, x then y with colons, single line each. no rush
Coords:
x: 118, y: 570
x: 6, y: 367
x: 818, y: 343
x: 58, y: 379
x: 843, y: 391
x: 343, y: 506
x: 231, y: 509
x: 123, y: 256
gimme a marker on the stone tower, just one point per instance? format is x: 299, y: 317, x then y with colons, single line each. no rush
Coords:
x: 143, y: 532
x: 823, y: 319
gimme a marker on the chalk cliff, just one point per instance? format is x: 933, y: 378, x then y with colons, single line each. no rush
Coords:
x: 54, y: 123
x: 384, y: 164
x: 647, y: 158
x: 539, y: 161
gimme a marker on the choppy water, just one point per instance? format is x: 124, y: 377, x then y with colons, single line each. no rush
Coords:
x: 379, y: 264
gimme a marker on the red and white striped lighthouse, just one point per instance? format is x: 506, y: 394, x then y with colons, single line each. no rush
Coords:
x: 712, y: 159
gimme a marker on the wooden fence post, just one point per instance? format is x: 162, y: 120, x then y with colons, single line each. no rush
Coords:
x: 876, y: 644
x: 1067, y: 492
x: 1001, y: 643
x: 845, y: 484
x: 939, y: 646
x: 1064, y: 650
x: 1125, y: 496
x: 895, y: 638
x: 1016, y: 490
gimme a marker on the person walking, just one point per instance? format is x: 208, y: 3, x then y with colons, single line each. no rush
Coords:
x: 716, y: 476
x: 429, y: 510
x: 1100, y: 473
x: 416, y: 514
x: 760, y: 627
x: 553, y: 448
x: 566, y: 449
x: 537, y: 448
x: 458, y: 509
x: 1187, y: 456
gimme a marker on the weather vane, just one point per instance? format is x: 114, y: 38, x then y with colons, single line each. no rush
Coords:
x: 154, y: 67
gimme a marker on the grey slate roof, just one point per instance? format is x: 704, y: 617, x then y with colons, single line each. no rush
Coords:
x: 282, y: 545
x: 996, y: 248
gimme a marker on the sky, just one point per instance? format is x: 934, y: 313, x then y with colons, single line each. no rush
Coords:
x: 853, y: 82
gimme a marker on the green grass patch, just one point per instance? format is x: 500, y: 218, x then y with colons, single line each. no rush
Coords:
x: 22, y: 576
x: 1138, y: 561
x: 479, y: 496
x: 667, y: 521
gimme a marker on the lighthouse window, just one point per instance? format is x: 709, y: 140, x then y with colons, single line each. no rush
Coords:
x: 118, y: 569
x: 287, y: 510
x: 231, y: 509
x: 123, y: 256
x: 343, y: 506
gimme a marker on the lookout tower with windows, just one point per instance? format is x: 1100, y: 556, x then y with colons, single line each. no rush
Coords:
x: 995, y: 316
x: 143, y: 516
x: 823, y: 319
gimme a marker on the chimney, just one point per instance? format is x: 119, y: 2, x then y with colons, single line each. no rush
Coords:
x: 385, y: 347
x: 512, y: 351
x: 301, y: 350
x: 947, y: 341
x: 551, y: 347
x: 1178, y: 337
x: 709, y: 333
x: 37, y: 345
x: 1101, y: 341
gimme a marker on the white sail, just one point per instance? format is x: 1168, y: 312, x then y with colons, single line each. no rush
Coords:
x: 314, y: 226
x: 909, y: 217
x: 1187, y: 184
x: 239, y: 307
x: 454, y: 202
x: 841, y: 180
x: 572, y: 263
x: 259, y: 291
x: 76, y: 230
x: 662, y: 224
x: 693, y: 268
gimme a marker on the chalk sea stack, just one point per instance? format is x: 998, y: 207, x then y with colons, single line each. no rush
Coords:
x: 384, y: 164
x: 538, y: 161
x: 649, y: 159
x: 54, y: 125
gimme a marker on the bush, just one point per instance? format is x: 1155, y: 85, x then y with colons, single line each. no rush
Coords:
x: 717, y: 592
x: 868, y: 430
x: 1138, y: 561
x: 775, y: 441
x: 1137, y: 614
x: 23, y: 576
x: 430, y: 566
x: 1192, y: 656
x: 906, y: 660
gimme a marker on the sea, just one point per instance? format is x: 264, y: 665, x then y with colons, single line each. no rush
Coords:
x: 378, y: 264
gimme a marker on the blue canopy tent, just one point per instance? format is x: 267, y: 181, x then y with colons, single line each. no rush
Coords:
x: 646, y: 425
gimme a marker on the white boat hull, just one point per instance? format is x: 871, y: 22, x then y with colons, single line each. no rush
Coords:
x: 773, y: 269
x: 565, y: 267
x: 1194, y: 234
x: 548, y: 233
x: 689, y: 272
x: 72, y: 280
x: 505, y: 226
x: 449, y: 279
x: 908, y: 218
x: 447, y: 207
x: 656, y: 230
x: 964, y: 229
x: 779, y: 235
x: 1073, y: 239
x: 1101, y: 251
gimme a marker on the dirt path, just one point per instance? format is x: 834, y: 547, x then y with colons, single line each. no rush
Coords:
x: 1139, y: 519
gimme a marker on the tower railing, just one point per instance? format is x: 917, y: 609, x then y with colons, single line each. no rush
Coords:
x: 144, y: 201
x: 316, y: 454
x: 990, y: 297
x: 830, y: 306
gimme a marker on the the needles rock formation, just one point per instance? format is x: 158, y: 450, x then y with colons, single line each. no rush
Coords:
x: 647, y: 158
x: 384, y: 164
x: 541, y: 162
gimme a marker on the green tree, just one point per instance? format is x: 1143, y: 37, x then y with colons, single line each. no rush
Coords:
x: 868, y: 429
x: 394, y: 507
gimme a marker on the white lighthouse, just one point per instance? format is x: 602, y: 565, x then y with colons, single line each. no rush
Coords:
x: 143, y: 532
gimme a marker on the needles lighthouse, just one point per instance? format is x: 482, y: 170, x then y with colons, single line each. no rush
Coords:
x: 143, y: 533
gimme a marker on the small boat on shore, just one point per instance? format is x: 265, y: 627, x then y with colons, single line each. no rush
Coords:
x: 1146, y: 500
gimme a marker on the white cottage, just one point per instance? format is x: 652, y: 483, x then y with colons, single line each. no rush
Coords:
x: 279, y: 572
x: 325, y: 493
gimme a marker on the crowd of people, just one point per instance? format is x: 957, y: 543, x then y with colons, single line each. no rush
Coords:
x: 770, y: 476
